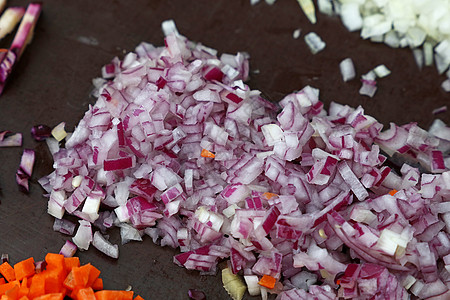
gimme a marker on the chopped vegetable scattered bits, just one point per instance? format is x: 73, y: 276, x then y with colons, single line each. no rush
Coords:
x: 58, y: 132
x: 207, y: 153
x: 269, y: 196
x: 309, y: 10
x: 59, y: 278
x: 267, y: 281
x: 393, y: 192
x: 233, y: 284
x: 314, y: 42
x: 22, y: 38
x: 14, y: 140
x: 9, y: 20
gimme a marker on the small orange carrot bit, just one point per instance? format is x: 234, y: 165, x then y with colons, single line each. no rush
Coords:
x: 7, y: 271
x: 207, y: 153
x: 7, y: 286
x: 2, y: 281
x: 37, y: 287
x: 269, y: 196
x: 85, y: 294
x: 93, y: 274
x: 97, y: 284
x: 78, y: 277
x: 393, y: 192
x: 53, y: 296
x: 24, y: 289
x: 24, y: 268
x: 54, y: 261
x: 138, y: 298
x: 114, y: 295
x: 268, y: 281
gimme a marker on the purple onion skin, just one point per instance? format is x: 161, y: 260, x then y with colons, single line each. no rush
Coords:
x: 196, y: 294
x: 41, y: 132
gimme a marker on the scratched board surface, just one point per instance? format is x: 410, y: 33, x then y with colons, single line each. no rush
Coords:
x: 74, y: 39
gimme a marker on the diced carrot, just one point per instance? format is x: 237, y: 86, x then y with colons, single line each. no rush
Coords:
x: 268, y: 281
x: 37, y: 287
x: 2, y: 281
x: 73, y: 293
x: 70, y: 262
x: 69, y: 282
x: 7, y: 271
x: 53, y: 296
x: 97, y: 284
x: 207, y: 153
x: 86, y: 294
x: 78, y: 277
x: 54, y: 261
x: 93, y: 274
x: 24, y: 298
x: 138, y: 298
x: 24, y: 268
x: 268, y: 195
x: 7, y: 286
x: 24, y: 289
x: 393, y: 192
x: 13, y: 293
x: 114, y: 295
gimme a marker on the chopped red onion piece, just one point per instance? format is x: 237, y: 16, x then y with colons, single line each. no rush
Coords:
x: 369, y: 85
x: 23, y: 174
x: 64, y: 226
x: 278, y: 194
x: 14, y: 140
x: 4, y: 257
x: 105, y: 246
x: 41, y: 132
x: 68, y: 249
x: 439, y: 110
x: 83, y: 237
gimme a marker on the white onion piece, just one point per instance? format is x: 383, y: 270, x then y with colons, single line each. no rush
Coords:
x: 401, y: 23
x: 347, y: 69
x: 68, y: 249
x: 105, y: 246
x: 381, y: 71
x: 169, y: 27
x: 83, y: 237
x: 326, y: 7
x: 314, y: 42
x: 351, y: 16
x: 446, y: 85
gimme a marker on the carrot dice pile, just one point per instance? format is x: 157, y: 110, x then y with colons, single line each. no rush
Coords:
x: 62, y: 276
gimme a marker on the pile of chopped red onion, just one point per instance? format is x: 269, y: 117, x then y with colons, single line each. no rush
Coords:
x: 178, y: 148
